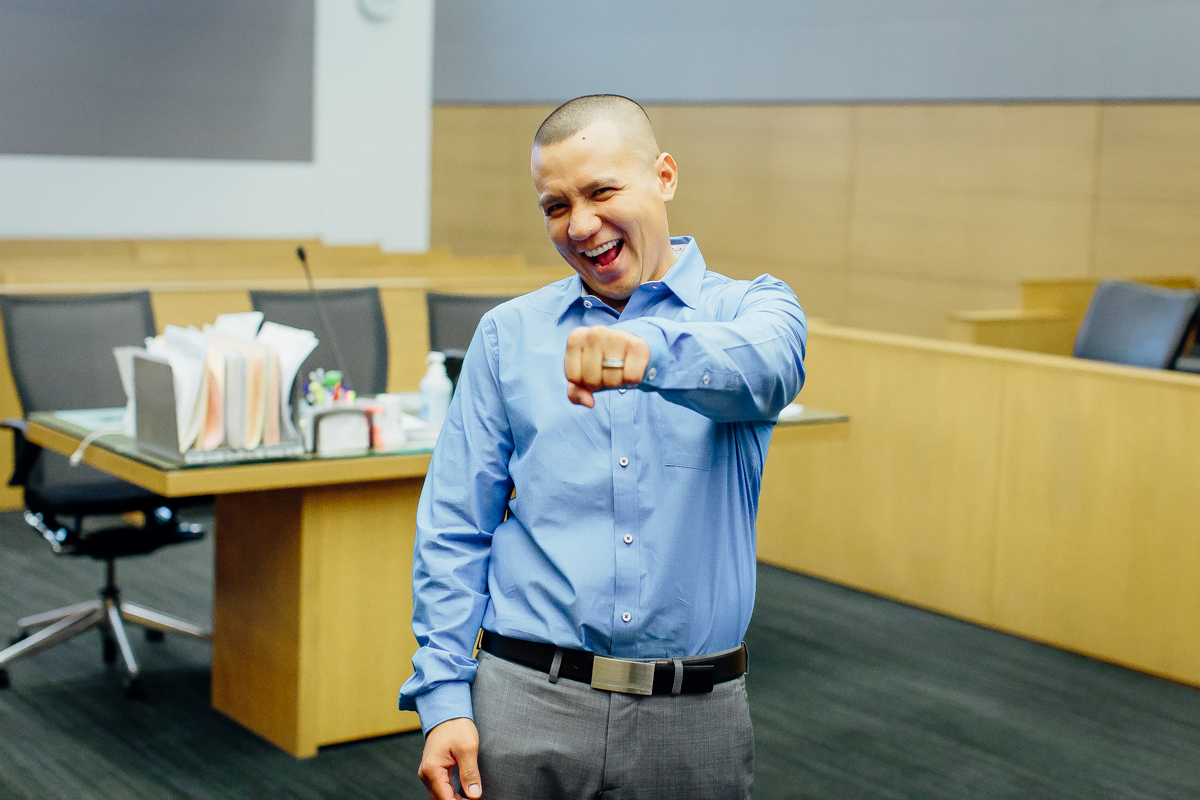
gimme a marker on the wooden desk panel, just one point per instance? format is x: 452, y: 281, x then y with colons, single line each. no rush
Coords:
x: 311, y: 623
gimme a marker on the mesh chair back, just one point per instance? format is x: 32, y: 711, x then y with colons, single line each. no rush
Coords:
x: 60, y: 351
x: 357, y: 319
x: 1130, y: 323
x: 453, y: 319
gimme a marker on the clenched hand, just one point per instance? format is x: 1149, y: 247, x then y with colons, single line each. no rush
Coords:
x: 589, y: 348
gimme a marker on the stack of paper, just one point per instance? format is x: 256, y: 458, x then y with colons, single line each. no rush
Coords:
x: 232, y: 380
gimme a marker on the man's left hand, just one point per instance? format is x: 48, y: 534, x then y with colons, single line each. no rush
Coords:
x: 588, y: 348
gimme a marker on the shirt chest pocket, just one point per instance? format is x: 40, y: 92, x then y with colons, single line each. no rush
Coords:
x: 684, y: 437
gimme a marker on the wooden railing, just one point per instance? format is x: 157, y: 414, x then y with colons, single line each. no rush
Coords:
x: 1043, y: 495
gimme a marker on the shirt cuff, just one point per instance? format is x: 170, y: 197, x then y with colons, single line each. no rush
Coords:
x: 653, y: 336
x: 450, y: 700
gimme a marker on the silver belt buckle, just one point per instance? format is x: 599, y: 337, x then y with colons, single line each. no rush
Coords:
x: 627, y: 677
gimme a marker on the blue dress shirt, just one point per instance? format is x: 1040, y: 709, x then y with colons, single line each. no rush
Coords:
x: 631, y: 531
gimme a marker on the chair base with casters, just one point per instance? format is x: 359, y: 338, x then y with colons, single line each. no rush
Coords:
x: 109, y: 612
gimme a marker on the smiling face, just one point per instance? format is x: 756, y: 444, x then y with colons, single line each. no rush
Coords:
x: 604, y: 202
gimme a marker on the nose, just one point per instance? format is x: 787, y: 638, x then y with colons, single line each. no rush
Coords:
x: 584, y: 224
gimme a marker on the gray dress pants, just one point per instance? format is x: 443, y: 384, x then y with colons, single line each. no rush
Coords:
x: 567, y: 740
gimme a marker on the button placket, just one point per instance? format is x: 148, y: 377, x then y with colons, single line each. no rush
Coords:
x: 623, y: 435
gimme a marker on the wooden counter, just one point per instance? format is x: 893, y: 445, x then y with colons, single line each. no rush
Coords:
x: 1037, y: 494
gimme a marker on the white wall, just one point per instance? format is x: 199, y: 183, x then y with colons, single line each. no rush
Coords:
x: 368, y: 181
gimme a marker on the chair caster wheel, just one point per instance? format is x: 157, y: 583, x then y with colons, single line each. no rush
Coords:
x: 110, y: 650
x: 154, y: 635
x: 134, y: 689
x: 3, y: 678
x: 20, y: 637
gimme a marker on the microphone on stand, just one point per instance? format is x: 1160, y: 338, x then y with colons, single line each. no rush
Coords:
x: 312, y: 288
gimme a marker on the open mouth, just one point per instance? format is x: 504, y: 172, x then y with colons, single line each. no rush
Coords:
x: 606, y: 253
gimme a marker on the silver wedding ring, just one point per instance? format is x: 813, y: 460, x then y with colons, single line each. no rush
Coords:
x: 613, y: 363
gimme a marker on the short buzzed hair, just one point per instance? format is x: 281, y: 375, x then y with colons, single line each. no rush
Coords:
x: 575, y: 115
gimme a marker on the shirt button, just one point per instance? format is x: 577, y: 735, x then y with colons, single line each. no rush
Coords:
x: 705, y: 380
x: 620, y: 391
x: 587, y: 303
x: 626, y: 617
x: 624, y: 462
x: 652, y: 373
x: 628, y: 538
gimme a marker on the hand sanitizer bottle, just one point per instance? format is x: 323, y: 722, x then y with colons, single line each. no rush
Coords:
x: 435, y: 390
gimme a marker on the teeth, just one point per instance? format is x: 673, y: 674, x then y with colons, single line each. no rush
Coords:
x: 594, y: 252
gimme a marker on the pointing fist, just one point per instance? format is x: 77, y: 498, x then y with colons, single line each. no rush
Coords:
x: 600, y: 358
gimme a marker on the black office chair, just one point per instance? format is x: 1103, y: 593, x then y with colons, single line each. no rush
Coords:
x: 60, y: 351
x: 453, y: 319
x: 1135, y: 324
x: 356, y: 316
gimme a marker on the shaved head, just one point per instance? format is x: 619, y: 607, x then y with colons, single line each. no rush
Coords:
x: 603, y: 187
x: 576, y: 115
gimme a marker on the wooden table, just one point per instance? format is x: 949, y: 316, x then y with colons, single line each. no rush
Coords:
x: 312, y: 607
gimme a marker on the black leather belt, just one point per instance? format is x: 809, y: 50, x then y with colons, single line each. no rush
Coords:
x: 692, y: 675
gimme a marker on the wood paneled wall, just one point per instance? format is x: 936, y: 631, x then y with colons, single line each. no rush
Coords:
x: 880, y: 216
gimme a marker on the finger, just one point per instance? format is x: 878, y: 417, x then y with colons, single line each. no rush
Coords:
x: 437, y: 782
x: 468, y: 772
x: 637, y: 359
x: 573, y: 361
x: 614, y: 347
x: 580, y: 396
x: 592, y: 356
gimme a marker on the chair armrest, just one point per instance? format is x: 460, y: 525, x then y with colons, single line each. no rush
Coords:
x: 25, y: 452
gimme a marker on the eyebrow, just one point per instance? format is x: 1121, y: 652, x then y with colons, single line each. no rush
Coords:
x: 587, y: 188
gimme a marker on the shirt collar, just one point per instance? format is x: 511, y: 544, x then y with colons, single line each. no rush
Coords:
x: 684, y: 278
x: 686, y: 275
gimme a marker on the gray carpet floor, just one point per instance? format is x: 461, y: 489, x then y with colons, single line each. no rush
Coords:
x: 852, y: 696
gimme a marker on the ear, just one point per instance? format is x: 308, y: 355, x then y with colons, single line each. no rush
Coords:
x: 668, y: 175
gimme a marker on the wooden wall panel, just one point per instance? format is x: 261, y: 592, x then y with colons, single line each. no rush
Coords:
x: 1150, y: 152
x: 1148, y: 193
x: 483, y: 198
x: 951, y: 205
x: 196, y: 308
x: 768, y: 197
x: 910, y: 302
x: 976, y: 238
x: 1011, y: 150
x: 1147, y: 238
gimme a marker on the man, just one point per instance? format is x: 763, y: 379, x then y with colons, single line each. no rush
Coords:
x: 592, y: 497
